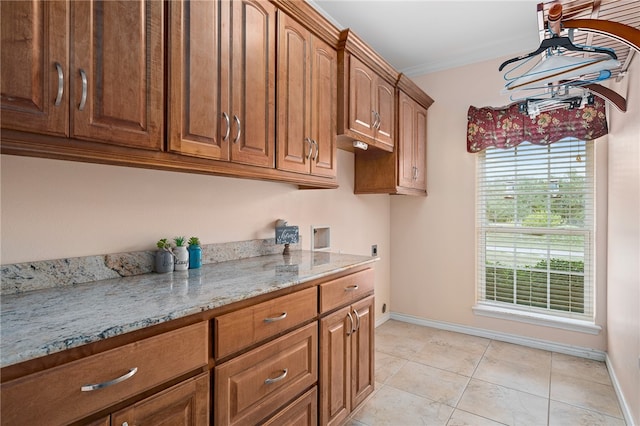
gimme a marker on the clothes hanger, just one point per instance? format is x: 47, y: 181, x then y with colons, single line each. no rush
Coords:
x: 556, y: 42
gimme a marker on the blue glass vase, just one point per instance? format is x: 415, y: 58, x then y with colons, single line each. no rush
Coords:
x: 195, y: 257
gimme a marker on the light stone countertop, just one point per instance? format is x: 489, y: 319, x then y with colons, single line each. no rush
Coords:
x: 41, y: 322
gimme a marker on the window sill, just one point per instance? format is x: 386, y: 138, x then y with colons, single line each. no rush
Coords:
x: 580, y: 326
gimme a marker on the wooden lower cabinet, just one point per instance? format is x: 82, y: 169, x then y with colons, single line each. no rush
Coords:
x: 184, y: 404
x: 301, y: 412
x: 346, y: 360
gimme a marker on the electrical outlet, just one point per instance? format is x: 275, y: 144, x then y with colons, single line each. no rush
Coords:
x: 374, y: 250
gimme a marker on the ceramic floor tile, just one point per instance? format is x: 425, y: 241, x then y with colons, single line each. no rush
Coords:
x: 462, y: 418
x: 585, y: 394
x: 561, y: 414
x: 394, y: 407
x: 473, y: 344
x: 534, y: 358
x: 504, y: 405
x: 582, y: 368
x: 405, y: 329
x: 429, y: 382
x: 398, y: 345
x: 448, y: 357
x: 515, y: 375
x: 387, y: 365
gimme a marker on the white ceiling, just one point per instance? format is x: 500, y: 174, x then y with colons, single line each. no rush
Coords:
x: 422, y: 36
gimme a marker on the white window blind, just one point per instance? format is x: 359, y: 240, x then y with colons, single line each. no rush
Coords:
x: 535, y: 228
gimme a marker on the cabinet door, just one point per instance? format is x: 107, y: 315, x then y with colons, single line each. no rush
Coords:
x: 324, y: 70
x: 35, y: 66
x: 335, y: 370
x: 361, y: 97
x: 199, y: 121
x: 385, y: 101
x: 420, y: 148
x: 253, y: 82
x: 295, y: 148
x: 184, y: 404
x: 117, y: 72
x: 362, y: 351
x: 406, y: 133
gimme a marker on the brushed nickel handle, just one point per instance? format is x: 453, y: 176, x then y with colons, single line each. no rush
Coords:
x: 378, y: 120
x: 351, y: 288
x: 226, y: 119
x: 310, y: 142
x: 60, y: 84
x: 315, y: 157
x: 351, y: 320
x: 375, y: 119
x: 88, y: 388
x: 357, y: 320
x: 278, y: 318
x: 237, y: 120
x: 270, y: 380
x: 83, y: 99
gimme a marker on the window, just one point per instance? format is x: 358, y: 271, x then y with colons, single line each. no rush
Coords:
x: 535, y: 228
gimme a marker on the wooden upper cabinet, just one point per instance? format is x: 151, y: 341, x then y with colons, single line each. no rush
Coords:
x: 34, y: 53
x: 366, y: 95
x: 96, y: 76
x: 117, y: 72
x: 307, y: 71
x: 253, y: 35
x: 412, y: 143
x: 199, y: 121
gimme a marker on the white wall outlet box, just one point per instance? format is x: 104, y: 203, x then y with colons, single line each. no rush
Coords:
x: 320, y: 238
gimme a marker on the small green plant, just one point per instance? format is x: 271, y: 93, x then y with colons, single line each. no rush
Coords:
x: 180, y: 241
x: 194, y: 241
x: 164, y: 244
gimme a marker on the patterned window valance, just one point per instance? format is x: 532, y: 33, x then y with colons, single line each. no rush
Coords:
x: 508, y: 127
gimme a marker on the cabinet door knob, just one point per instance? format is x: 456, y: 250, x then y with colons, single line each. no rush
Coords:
x: 96, y: 386
x: 83, y: 99
x: 278, y: 318
x: 351, y: 288
x: 270, y: 380
x: 60, y: 84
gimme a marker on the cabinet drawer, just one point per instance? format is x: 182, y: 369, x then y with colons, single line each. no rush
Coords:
x: 301, y: 412
x: 343, y: 291
x: 240, y: 329
x: 254, y: 385
x: 54, y: 396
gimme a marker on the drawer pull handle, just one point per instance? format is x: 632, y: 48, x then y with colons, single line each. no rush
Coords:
x: 226, y: 119
x: 357, y: 321
x: 278, y: 318
x: 351, y: 320
x: 276, y: 379
x: 351, y: 288
x: 83, y: 99
x: 60, y: 84
x: 88, y: 388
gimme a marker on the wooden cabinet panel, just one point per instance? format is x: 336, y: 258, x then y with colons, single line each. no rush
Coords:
x: 307, y: 79
x: 406, y: 134
x: 118, y: 72
x: 239, y: 329
x: 35, y: 92
x: 362, y: 353
x: 335, y: 367
x: 420, y: 150
x: 362, y: 86
x: 27, y: 401
x: 184, y: 404
x: 199, y: 121
x: 253, y: 82
x: 385, y: 107
x: 302, y: 412
x: 252, y: 386
x: 345, y: 290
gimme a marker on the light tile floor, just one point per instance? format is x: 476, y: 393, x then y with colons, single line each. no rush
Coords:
x: 426, y: 376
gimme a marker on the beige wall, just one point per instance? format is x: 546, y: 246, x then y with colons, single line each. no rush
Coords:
x: 624, y: 242
x: 53, y: 209
x: 433, y: 240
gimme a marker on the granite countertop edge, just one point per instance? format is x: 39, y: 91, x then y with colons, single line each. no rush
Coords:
x: 42, y: 322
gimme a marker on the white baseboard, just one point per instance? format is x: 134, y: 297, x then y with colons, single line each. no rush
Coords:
x: 626, y: 410
x: 381, y: 319
x: 504, y: 337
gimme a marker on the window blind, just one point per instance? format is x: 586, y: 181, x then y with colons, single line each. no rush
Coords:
x: 535, y: 228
